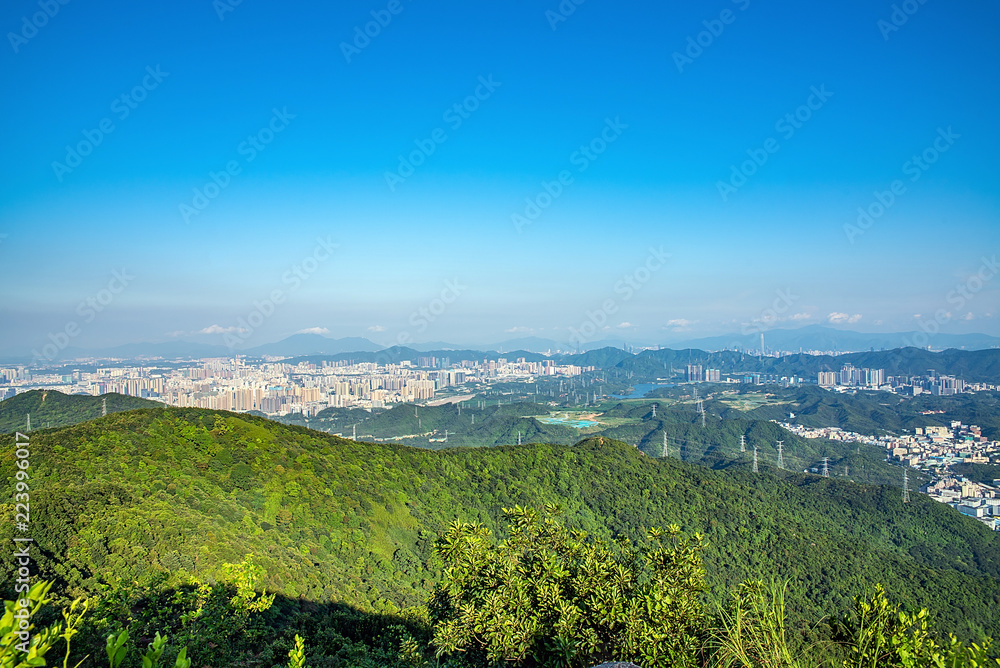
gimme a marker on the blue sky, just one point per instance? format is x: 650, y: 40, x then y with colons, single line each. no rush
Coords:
x: 665, y: 131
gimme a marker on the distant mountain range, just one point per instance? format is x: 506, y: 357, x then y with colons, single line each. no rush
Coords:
x: 818, y: 337
x: 810, y: 338
x: 297, y: 344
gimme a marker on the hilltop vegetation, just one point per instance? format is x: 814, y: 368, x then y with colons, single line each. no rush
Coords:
x: 49, y: 408
x: 869, y: 412
x: 162, y: 496
x: 978, y: 366
x: 717, y: 444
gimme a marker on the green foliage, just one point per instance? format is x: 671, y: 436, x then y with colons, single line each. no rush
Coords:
x: 752, y: 629
x: 19, y: 647
x: 116, y: 649
x: 50, y: 408
x: 550, y: 595
x: 15, y: 654
x: 151, y: 659
x: 140, y: 512
x: 297, y: 655
x: 879, y: 635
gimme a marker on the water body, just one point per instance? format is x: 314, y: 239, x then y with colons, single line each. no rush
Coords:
x: 642, y: 389
x: 568, y: 422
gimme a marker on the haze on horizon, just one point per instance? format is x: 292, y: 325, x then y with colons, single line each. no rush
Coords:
x: 482, y: 173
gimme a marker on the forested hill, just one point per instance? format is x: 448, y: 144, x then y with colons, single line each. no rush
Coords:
x: 166, y: 494
x: 49, y: 408
x: 980, y: 366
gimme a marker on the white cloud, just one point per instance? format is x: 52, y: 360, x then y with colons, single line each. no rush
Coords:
x: 313, y: 330
x: 799, y: 316
x: 968, y: 316
x: 376, y: 328
x: 218, y: 329
x: 624, y: 325
x: 842, y: 318
x: 518, y: 330
x: 678, y: 323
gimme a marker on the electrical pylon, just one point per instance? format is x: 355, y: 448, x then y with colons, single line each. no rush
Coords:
x: 826, y: 467
x: 743, y: 443
x: 104, y: 407
x: 781, y: 460
x: 906, y: 488
x: 755, y: 459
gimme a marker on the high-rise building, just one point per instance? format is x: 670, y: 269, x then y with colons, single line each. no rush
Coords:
x: 827, y: 378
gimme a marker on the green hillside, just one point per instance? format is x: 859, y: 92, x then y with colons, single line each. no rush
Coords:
x: 717, y: 444
x: 873, y: 412
x: 973, y: 366
x: 160, y: 496
x: 49, y: 408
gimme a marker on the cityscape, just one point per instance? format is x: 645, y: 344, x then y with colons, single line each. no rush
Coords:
x: 558, y: 334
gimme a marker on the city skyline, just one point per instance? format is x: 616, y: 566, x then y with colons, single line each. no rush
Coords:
x: 648, y: 173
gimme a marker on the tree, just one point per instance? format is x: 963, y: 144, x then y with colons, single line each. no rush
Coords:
x: 552, y: 597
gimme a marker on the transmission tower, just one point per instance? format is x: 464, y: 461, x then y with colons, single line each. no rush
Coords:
x: 29, y: 422
x: 354, y: 432
x: 906, y: 488
x: 781, y: 461
x: 519, y: 438
x: 755, y: 459
x: 104, y: 407
x: 664, y: 445
x: 445, y: 435
x: 826, y: 467
x: 654, y: 410
x: 743, y: 443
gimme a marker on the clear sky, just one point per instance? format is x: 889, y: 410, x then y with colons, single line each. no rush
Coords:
x: 736, y: 139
